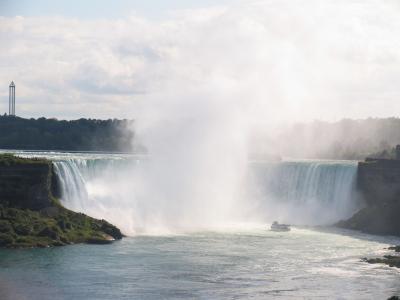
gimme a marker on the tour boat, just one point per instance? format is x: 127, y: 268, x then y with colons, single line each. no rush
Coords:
x: 279, y: 227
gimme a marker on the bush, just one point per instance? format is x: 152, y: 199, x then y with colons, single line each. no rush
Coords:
x: 5, y: 226
x: 6, y: 239
x: 23, y: 229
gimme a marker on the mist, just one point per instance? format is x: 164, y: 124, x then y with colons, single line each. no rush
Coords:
x: 238, y: 71
x: 208, y: 87
x: 217, y: 152
x: 346, y: 139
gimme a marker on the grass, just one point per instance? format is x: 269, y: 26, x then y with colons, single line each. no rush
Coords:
x: 26, y: 228
x: 9, y: 159
x: 29, y: 221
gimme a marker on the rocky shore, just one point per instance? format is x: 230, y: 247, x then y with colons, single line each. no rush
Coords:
x: 390, y: 260
x: 378, y: 182
x: 31, y: 214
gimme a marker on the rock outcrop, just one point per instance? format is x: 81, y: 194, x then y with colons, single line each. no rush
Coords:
x: 378, y: 181
x: 390, y: 260
x: 25, y: 183
x: 31, y: 215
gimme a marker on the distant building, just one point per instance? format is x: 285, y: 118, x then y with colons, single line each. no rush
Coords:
x: 11, y: 100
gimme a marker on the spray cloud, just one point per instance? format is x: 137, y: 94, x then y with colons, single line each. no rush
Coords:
x: 212, y: 76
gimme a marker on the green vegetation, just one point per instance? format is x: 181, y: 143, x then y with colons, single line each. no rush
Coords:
x: 77, y: 135
x: 30, y: 215
x: 389, y: 153
x: 56, y: 226
x: 345, y: 139
x: 9, y: 159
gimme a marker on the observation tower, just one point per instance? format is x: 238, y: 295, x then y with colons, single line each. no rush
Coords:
x: 11, y: 99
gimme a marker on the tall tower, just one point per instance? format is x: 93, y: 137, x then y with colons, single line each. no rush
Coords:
x: 11, y: 100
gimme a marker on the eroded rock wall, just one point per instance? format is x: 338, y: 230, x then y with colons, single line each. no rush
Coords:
x: 378, y: 181
x: 26, y: 185
x: 31, y: 215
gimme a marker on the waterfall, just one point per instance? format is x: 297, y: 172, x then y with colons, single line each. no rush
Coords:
x: 73, y: 184
x: 306, y: 192
x: 91, y: 185
x: 297, y: 192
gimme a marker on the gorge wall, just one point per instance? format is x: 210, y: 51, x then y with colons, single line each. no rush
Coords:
x: 26, y: 184
x: 378, y: 181
x: 31, y: 215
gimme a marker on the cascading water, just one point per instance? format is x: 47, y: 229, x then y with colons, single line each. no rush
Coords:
x: 298, y: 192
x: 95, y: 187
x: 77, y: 176
x: 73, y: 184
x: 306, y: 192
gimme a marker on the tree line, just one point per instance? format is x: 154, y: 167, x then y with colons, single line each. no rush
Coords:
x: 77, y: 135
x: 344, y: 139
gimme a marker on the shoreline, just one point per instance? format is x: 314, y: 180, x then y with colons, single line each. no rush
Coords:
x: 390, y: 260
x: 31, y: 214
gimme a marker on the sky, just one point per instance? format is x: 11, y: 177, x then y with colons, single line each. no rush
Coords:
x: 97, y: 9
x: 280, y: 60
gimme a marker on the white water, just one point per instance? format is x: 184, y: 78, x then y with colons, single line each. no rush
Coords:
x: 297, y: 192
x: 305, y: 192
x: 244, y: 262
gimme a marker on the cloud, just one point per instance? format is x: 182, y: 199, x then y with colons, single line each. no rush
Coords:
x: 280, y: 60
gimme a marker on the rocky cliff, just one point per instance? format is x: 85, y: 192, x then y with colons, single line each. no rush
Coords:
x: 25, y: 183
x: 31, y: 215
x: 378, y: 181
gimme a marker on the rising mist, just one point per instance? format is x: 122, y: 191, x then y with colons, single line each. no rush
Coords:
x: 209, y: 87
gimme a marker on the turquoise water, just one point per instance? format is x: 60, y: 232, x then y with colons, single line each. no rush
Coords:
x: 166, y: 257
x: 253, y: 263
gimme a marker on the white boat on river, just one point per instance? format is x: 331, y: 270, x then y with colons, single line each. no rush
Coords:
x: 280, y: 227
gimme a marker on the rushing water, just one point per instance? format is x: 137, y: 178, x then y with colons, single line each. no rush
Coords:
x: 254, y: 263
x: 307, y: 192
x: 298, y: 192
x: 243, y: 260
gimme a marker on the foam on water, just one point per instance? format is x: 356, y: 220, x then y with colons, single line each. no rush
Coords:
x: 307, y: 192
x: 246, y: 261
x: 297, y: 192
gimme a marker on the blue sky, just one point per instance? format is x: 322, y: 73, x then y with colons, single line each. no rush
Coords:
x: 92, y: 9
x: 290, y: 59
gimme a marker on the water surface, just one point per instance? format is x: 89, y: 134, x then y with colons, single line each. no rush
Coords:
x: 253, y: 263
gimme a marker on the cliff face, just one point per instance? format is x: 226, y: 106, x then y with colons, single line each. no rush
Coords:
x: 30, y: 214
x: 26, y: 185
x: 378, y: 181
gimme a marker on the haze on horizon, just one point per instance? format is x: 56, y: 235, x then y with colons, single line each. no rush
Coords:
x: 279, y: 61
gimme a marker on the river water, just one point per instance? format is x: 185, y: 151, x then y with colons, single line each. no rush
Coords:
x: 241, y: 260
x: 244, y: 264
